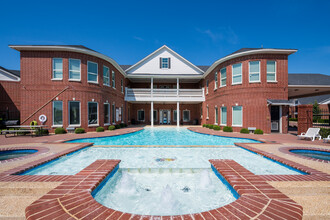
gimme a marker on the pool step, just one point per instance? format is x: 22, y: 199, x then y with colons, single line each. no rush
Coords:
x: 164, y: 170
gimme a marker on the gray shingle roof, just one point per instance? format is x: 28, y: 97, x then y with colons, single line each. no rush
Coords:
x: 311, y: 100
x: 125, y: 67
x: 308, y: 79
x: 14, y: 72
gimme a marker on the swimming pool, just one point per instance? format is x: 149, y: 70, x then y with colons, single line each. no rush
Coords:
x: 316, y: 154
x: 11, y: 154
x: 164, y: 136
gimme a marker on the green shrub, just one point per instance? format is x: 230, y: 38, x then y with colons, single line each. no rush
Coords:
x: 42, y: 132
x: 258, y: 131
x: 293, y: 119
x: 60, y: 131
x: 99, y: 129
x: 244, y: 131
x: 117, y: 126
x: 211, y: 126
x: 228, y: 129
x: 79, y: 131
x: 122, y: 125
x: 216, y: 127
x: 125, y: 125
x: 324, y: 132
x: 204, y: 125
x: 111, y: 127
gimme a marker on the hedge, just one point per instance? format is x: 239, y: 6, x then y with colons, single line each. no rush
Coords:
x: 117, y: 126
x: 228, y: 129
x: 216, y: 127
x: 211, y: 126
x: 244, y: 131
x: 111, y: 127
x: 60, y: 131
x: 42, y: 132
x: 204, y: 125
x: 258, y: 131
x: 99, y: 129
x: 324, y: 132
x: 293, y: 119
x: 79, y: 131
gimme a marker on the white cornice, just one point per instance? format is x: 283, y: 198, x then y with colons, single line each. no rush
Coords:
x: 70, y: 49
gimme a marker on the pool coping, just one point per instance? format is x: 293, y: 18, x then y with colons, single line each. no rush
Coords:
x: 40, y: 150
x: 286, y: 150
x: 73, y: 199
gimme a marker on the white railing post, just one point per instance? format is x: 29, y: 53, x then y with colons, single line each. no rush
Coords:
x: 177, y: 87
x: 152, y: 86
x: 152, y: 113
x: 177, y: 114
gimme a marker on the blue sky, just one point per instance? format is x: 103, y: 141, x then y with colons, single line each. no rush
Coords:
x: 200, y: 31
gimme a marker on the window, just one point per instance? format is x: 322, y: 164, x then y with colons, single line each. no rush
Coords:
x: 223, y: 77
x: 92, y: 113
x: 271, y: 71
x: 129, y: 114
x: 106, y: 76
x: 175, y: 116
x: 207, y: 86
x: 186, y: 115
x: 237, y: 116
x: 165, y: 63
x: 74, y: 113
x: 140, y: 115
x: 215, y: 80
x: 122, y: 86
x: 207, y: 112
x: 57, y: 68
x: 155, y: 115
x: 216, y: 115
x: 223, y: 116
x: 237, y: 74
x: 57, y: 113
x: 92, y: 72
x: 106, y: 113
x: 202, y: 112
x: 254, y: 71
x: 113, y: 115
x: 74, y: 69
x: 113, y: 79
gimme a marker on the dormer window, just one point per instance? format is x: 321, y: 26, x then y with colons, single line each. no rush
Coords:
x: 165, y: 63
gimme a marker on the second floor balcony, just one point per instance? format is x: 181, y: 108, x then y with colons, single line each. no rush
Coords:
x: 164, y: 95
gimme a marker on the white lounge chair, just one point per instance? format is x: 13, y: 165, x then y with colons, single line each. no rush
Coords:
x: 311, y: 133
x: 326, y: 140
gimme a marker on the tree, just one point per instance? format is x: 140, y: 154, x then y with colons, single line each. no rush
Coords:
x: 316, y: 112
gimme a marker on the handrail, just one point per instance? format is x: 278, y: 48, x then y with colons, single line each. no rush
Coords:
x: 146, y: 92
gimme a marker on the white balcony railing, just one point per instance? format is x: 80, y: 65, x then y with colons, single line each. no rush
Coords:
x: 188, y: 95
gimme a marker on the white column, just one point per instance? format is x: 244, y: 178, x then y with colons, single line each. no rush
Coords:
x: 177, y: 114
x: 152, y: 113
x: 177, y: 86
x: 152, y: 86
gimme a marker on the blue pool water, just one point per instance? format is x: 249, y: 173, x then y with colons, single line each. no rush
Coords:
x: 322, y: 155
x: 164, y: 136
x: 10, y: 154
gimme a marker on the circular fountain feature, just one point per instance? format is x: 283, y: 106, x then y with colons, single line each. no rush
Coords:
x: 315, y: 154
x: 12, y: 154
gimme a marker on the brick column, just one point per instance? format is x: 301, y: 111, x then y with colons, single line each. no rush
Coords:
x: 305, y: 118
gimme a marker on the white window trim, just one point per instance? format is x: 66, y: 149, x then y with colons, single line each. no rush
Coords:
x: 162, y: 63
x: 61, y: 125
x: 250, y: 73
x: 107, y: 103
x: 113, y: 79
x: 98, y: 122
x: 232, y: 116
x: 113, y: 107
x: 53, y: 70
x: 207, y: 113
x: 97, y: 73
x: 138, y: 115
x: 75, y: 125
x: 122, y: 86
x: 155, y: 119
x: 215, y: 115
x: 272, y: 81
x: 223, y: 77
x: 106, y: 76
x: 216, y: 81
x: 75, y: 70
x: 174, y: 118
x: 207, y: 87
x: 232, y: 74
x: 183, y: 115
x: 221, y: 116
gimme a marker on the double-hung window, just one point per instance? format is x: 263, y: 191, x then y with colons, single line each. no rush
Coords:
x: 215, y: 80
x: 92, y: 72
x: 57, y: 113
x: 237, y: 116
x: 237, y: 74
x: 186, y: 115
x: 106, y: 113
x: 141, y: 115
x: 92, y: 113
x: 57, y: 68
x: 207, y: 112
x: 113, y: 115
x: 122, y: 86
x: 271, y: 71
x: 223, y: 116
x: 254, y: 71
x: 223, y: 77
x: 106, y: 76
x: 175, y: 115
x: 155, y: 115
x: 216, y: 115
x: 207, y: 86
x: 113, y: 79
x: 165, y: 63
x: 74, y: 113
x: 74, y: 69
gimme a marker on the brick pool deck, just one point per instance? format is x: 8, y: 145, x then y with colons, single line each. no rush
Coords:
x: 69, y: 197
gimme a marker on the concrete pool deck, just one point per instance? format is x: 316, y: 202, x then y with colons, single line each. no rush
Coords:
x: 18, y: 192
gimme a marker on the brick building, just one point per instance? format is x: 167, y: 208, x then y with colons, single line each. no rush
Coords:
x: 74, y: 86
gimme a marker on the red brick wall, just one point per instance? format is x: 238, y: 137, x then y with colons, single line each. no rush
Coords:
x: 305, y: 118
x: 38, y: 86
x: 252, y: 96
x: 10, y: 99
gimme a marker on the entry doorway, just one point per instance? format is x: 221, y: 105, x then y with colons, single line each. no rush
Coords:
x: 165, y: 117
x: 275, y: 117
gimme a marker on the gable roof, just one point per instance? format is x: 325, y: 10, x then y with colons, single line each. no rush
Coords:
x: 308, y: 79
x: 321, y: 99
x: 15, y: 73
x: 170, y: 50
